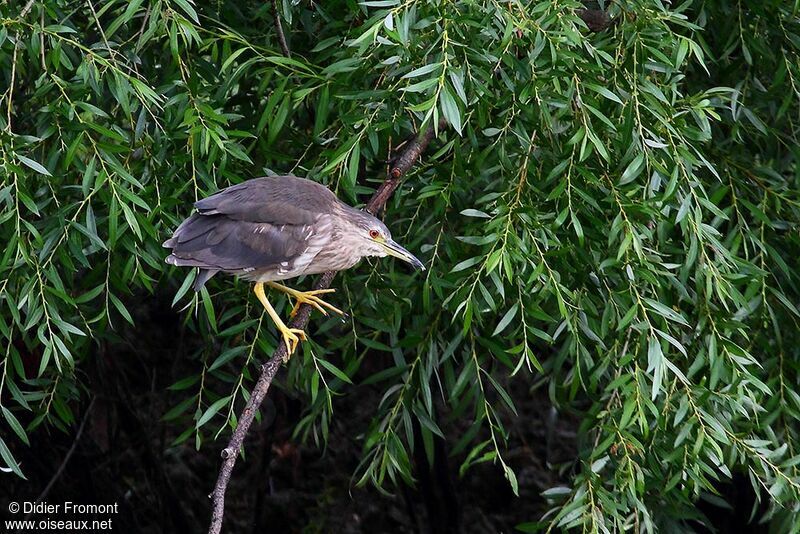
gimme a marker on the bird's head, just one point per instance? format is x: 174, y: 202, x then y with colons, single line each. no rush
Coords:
x: 376, y: 240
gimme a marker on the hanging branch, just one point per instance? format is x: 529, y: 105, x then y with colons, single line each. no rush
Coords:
x: 398, y: 167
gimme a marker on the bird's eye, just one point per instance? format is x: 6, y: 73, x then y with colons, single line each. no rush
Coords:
x: 374, y: 234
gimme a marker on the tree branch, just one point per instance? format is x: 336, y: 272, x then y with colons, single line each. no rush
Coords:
x: 25, y: 9
x: 279, y: 30
x: 399, y: 167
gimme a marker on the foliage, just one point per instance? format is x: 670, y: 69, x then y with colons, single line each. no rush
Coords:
x: 611, y: 216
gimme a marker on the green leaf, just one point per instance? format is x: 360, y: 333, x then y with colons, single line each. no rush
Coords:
x: 227, y: 356
x: 450, y: 109
x: 475, y: 213
x: 15, y: 425
x: 604, y: 92
x: 187, y: 283
x: 229, y: 61
x: 506, y: 320
x: 186, y: 7
x: 633, y: 170
x: 334, y: 370
x: 184, y: 383
x: 655, y: 364
x: 212, y: 410
x: 466, y: 264
x: 8, y: 458
x: 35, y: 165
x: 208, y: 306
x: 665, y: 311
x: 352, y: 167
x: 120, y: 307
x: 421, y: 71
x: 512, y: 479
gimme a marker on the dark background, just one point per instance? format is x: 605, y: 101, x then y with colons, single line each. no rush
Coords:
x: 124, y: 455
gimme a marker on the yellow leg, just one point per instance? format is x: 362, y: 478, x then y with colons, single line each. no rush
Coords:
x: 291, y: 336
x: 307, y: 297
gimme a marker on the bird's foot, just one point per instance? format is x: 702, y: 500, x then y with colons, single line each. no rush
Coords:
x: 292, y: 337
x: 311, y: 298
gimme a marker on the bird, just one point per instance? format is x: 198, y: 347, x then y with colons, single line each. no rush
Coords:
x: 270, y: 229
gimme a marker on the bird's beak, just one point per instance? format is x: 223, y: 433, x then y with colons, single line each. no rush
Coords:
x: 393, y: 249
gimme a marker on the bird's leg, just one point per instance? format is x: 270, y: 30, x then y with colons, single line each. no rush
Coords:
x: 307, y: 297
x: 291, y: 336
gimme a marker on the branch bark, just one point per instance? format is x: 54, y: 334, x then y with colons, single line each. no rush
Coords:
x: 400, y: 166
x: 25, y: 9
x: 279, y: 30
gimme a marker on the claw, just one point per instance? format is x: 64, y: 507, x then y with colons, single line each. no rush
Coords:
x: 308, y: 297
x: 292, y: 337
x: 311, y: 301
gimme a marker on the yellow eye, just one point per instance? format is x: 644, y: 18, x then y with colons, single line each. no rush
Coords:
x: 374, y: 234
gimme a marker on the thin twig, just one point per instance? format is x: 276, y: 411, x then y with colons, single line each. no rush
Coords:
x: 400, y: 166
x: 66, y: 459
x: 102, y: 31
x: 25, y: 9
x: 279, y: 30
x: 22, y: 14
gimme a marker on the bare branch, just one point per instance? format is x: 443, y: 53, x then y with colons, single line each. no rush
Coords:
x: 279, y: 30
x: 400, y: 166
x: 25, y: 9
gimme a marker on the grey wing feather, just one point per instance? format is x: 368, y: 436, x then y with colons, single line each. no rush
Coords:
x: 203, y: 276
x: 259, y: 224
x: 273, y: 199
x: 217, y: 242
x: 190, y: 229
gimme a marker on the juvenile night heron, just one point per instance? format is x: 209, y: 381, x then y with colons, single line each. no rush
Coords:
x: 275, y: 228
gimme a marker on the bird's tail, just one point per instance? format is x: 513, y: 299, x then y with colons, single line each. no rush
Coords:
x: 203, y: 275
x: 189, y: 244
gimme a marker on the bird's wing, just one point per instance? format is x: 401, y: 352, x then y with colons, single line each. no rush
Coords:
x: 276, y: 222
x: 280, y: 200
x: 219, y: 242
